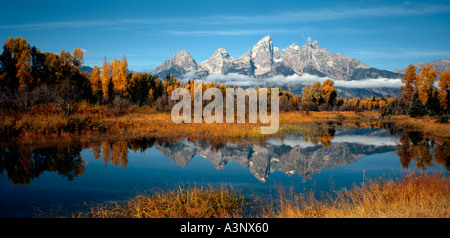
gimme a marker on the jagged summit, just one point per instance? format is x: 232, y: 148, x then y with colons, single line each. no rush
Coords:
x: 264, y: 60
x: 217, y: 63
x: 312, y: 44
x: 179, y: 64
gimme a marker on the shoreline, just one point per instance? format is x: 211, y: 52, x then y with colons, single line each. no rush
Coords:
x: 93, y: 123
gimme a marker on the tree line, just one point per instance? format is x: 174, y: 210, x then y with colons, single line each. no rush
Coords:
x: 425, y: 93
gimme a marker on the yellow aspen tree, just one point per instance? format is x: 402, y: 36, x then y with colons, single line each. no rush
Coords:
x: 427, y: 77
x: 106, y: 79
x: 151, y: 94
x: 307, y: 96
x: 316, y: 92
x: 122, y: 87
x: 78, y: 58
x: 95, y: 79
x: 24, y: 69
x: 444, y: 90
x: 329, y: 93
x: 115, y: 76
x: 66, y: 58
x: 408, y: 89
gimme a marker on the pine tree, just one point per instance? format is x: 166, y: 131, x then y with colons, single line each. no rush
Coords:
x: 417, y: 109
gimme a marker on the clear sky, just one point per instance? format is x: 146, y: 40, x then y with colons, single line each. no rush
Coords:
x: 382, y: 34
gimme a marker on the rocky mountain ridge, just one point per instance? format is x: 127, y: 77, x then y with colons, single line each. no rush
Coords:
x: 265, y: 60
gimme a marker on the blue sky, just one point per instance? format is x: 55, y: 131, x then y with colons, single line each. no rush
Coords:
x: 382, y: 34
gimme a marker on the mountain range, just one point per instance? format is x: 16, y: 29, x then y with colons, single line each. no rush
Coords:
x: 265, y: 60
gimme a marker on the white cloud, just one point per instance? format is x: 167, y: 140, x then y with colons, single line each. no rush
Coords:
x: 235, y: 79
x: 366, y: 140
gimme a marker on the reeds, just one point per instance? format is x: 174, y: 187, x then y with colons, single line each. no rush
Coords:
x: 181, y: 202
x: 415, y: 195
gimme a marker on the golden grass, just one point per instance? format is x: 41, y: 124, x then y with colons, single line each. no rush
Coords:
x: 414, y: 196
x: 190, y: 202
x: 91, y: 122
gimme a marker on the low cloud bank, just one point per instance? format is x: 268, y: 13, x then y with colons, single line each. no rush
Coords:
x: 235, y: 79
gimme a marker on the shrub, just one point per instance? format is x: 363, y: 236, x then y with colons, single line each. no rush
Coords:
x: 387, y: 112
x: 442, y: 119
x: 417, y: 109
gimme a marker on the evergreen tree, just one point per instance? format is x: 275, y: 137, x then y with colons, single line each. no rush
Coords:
x: 417, y: 109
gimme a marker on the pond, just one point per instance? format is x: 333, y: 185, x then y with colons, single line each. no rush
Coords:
x: 59, y: 180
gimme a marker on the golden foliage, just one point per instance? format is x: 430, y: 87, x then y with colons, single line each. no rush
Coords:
x: 427, y: 78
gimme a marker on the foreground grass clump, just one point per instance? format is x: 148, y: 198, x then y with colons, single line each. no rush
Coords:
x: 191, y: 202
x: 415, y: 195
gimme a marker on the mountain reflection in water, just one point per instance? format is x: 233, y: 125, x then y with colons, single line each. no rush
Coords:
x: 305, y: 153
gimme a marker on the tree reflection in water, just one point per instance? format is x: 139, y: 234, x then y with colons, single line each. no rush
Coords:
x: 22, y: 164
x: 423, y: 151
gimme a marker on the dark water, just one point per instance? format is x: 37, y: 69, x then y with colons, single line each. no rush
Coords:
x: 59, y: 180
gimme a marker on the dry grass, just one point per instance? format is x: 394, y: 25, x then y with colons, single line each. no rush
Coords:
x: 190, y: 202
x: 95, y: 122
x: 416, y: 195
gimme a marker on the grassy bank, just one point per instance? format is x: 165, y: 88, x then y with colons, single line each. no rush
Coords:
x: 427, y: 125
x: 44, y: 123
x: 416, y: 195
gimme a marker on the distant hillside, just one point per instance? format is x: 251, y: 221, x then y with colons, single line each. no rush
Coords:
x: 86, y: 69
x: 442, y: 65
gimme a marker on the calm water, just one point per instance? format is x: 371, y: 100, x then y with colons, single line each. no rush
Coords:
x: 64, y: 179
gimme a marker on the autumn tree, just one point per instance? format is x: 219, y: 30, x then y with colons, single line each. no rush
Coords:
x: 316, y: 93
x: 123, y: 73
x: 106, y: 80
x: 444, y: 90
x: 307, y: 95
x: 78, y: 58
x: 427, y: 78
x: 28, y: 74
x: 408, y: 90
x: 319, y: 94
x: 24, y: 70
x: 96, y: 82
x: 329, y: 93
x: 15, y: 71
